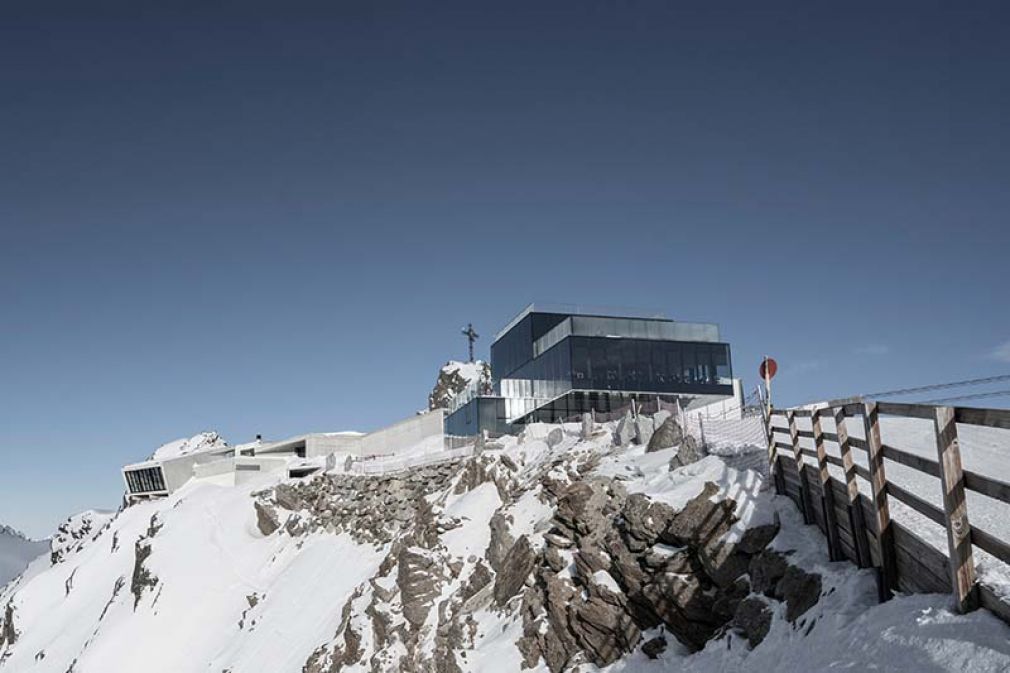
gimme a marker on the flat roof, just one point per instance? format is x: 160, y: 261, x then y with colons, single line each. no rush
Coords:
x: 583, y: 309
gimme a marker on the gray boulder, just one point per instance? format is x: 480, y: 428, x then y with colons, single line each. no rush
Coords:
x: 690, y: 451
x: 625, y: 430
x: 800, y: 590
x: 581, y: 505
x: 555, y: 437
x: 753, y: 619
x: 587, y: 426
x: 515, y: 568
x: 701, y: 520
x: 501, y: 540
x: 666, y: 436
x: 266, y: 518
x: 655, y: 647
x: 645, y: 519
x: 766, y: 569
x: 603, y: 629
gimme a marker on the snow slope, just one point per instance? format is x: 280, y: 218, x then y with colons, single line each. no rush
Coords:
x: 205, y: 581
x: 16, y: 551
x: 187, y: 445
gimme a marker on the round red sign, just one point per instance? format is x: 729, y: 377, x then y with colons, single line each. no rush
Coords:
x: 772, y: 368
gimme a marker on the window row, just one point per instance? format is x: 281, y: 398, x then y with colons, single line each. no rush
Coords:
x: 145, y: 480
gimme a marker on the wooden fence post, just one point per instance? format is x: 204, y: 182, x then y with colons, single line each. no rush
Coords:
x: 827, y: 495
x: 856, y: 521
x: 887, y: 578
x: 801, y: 472
x: 773, y: 468
x: 955, y: 509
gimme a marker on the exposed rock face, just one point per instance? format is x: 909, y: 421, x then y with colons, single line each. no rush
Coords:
x: 143, y: 579
x: 627, y: 578
x: 8, y: 634
x: 418, y: 581
x: 454, y: 377
x: 610, y: 567
x: 76, y: 532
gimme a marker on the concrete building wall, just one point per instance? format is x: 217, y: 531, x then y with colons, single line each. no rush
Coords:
x: 325, y: 444
x: 248, y: 468
x: 402, y: 435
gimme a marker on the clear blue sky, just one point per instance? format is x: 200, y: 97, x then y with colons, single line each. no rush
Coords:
x: 276, y: 219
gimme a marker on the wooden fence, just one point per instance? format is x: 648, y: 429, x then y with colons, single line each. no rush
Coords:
x: 860, y: 528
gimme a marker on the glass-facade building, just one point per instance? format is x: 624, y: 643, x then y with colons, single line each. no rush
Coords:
x: 556, y: 364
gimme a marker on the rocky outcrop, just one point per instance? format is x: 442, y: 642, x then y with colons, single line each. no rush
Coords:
x: 143, y: 579
x: 372, y: 509
x: 418, y: 580
x: 454, y: 377
x: 76, y: 532
x: 638, y: 564
x: 586, y: 583
x: 8, y: 634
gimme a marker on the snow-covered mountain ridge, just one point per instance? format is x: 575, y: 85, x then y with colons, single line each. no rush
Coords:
x: 16, y: 551
x: 567, y: 548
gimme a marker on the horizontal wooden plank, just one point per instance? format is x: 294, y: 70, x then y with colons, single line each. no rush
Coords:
x: 994, y: 488
x: 853, y: 409
x: 915, y: 577
x: 908, y: 410
x: 833, y: 460
x: 930, y: 467
x: 990, y: 543
x: 992, y: 418
x: 991, y: 601
x: 932, y: 560
x: 927, y: 509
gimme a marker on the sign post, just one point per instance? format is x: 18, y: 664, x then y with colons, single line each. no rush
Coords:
x: 766, y: 371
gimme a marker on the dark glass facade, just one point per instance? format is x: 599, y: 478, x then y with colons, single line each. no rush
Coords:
x: 480, y: 413
x: 515, y: 347
x: 145, y: 480
x: 593, y: 363
x: 650, y: 366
